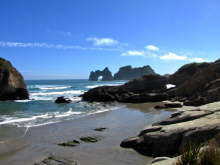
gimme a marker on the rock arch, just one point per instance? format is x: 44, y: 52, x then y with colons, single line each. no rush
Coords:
x: 106, y: 75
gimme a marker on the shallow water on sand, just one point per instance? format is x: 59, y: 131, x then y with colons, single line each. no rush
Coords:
x: 40, y: 142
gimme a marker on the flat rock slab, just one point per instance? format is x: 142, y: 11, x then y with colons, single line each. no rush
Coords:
x: 168, y: 137
x: 54, y: 160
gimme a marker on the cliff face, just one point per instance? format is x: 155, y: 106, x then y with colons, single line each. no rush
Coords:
x: 12, y: 85
x: 128, y: 73
x: 106, y: 75
x: 124, y: 73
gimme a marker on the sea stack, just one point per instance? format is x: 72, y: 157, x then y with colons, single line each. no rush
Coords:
x: 12, y: 85
x: 129, y: 73
x: 105, y: 74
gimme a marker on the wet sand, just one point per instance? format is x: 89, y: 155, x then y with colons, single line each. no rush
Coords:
x: 41, y: 142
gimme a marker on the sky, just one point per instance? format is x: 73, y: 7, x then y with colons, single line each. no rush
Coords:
x: 66, y: 39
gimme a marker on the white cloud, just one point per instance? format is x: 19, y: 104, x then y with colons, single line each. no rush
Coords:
x: 102, y: 41
x: 173, y: 56
x: 50, y: 46
x: 133, y: 53
x: 198, y: 60
x: 152, y: 48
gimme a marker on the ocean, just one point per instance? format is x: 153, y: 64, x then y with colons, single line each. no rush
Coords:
x: 41, y: 109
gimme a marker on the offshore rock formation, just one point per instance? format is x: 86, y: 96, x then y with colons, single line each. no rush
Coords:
x: 106, y: 75
x: 12, y: 85
x: 128, y: 73
x: 124, y: 73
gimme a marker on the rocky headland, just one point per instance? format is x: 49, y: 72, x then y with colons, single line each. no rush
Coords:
x: 195, y: 84
x: 12, y: 85
x: 124, y: 73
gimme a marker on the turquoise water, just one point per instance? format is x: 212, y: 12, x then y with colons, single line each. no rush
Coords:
x: 41, y: 109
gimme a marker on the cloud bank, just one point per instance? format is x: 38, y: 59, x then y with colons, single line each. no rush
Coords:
x: 51, y: 46
x: 154, y: 52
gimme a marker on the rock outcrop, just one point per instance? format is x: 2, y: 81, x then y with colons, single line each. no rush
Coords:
x: 62, y: 99
x: 129, y: 73
x: 12, y: 85
x: 144, y: 89
x: 105, y: 74
x: 168, y: 137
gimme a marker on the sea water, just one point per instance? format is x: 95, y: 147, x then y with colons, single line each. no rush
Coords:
x: 41, y: 109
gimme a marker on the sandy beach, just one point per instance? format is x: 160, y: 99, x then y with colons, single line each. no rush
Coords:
x: 41, y: 142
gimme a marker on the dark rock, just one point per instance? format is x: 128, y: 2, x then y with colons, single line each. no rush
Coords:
x: 55, y: 160
x: 186, y: 72
x: 62, y: 99
x: 101, y: 129
x: 72, y: 143
x: 196, y: 102
x: 91, y: 139
x: 128, y: 73
x: 106, y: 75
x: 12, y: 85
x: 129, y: 143
x: 159, y: 107
x: 173, y: 105
x: 168, y: 105
x: 135, y: 91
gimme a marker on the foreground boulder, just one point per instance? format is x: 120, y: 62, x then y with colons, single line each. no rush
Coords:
x: 12, y: 85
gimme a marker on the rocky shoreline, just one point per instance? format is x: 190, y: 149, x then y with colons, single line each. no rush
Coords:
x: 196, y: 85
x: 167, y: 138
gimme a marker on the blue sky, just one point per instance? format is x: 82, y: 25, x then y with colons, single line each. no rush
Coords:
x: 60, y: 39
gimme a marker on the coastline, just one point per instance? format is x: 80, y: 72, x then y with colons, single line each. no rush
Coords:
x: 41, y: 142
